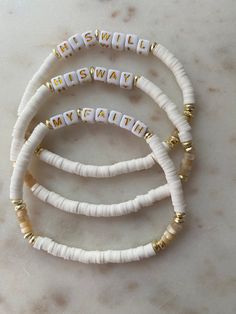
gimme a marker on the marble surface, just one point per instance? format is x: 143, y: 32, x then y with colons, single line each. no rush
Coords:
x: 197, y: 274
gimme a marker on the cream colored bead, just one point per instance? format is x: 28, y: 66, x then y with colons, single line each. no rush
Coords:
x: 100, y: 74
x: 143, y: 47
x: 84, y: 75
x: 65, y: 49
x: 58, y: 83
x: 113, y: 77
x: 71, y: 78
x: 126, y: 80
x: 115, y: 117
x: 101, y: 115
x: 89, y: 38
x: 71, y: 117
x: 57, y: 121
x: 105, y: 39
x: 127, y: 122
x: 76, y: 42
x: 139, y: 129
x: 118, y: 41
x: 131, y: 42
x: 87, y: 115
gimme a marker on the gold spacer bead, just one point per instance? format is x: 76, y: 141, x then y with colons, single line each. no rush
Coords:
x: 153, y: 46
x: 48, y: 124
x: 97, y: 34
x: 20, y: 207
x: 183, y: 177
x: 172, y: 141
x: 188, y: 146
x: 17, y: 202
x: 56, y: 53
x: 136, y: 78
x: 32, y: 239
x: 91, y: 71
x: 148, y: 135
x: 49, y: 86
x: 28, y: 235
x: 179, y: 218
x: 38, y: 150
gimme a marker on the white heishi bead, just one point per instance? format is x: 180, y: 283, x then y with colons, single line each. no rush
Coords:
x: 126, y: 80
x: 84, y: 75
x: 76, y: 41
x: 118, y: 41
x: 65, y: 49
x: 113, y: 77
x: 115, y: 117
x: 71, y: 78
x: 100, y: 74
x: 139, y: 129
x: 101, y: 115
x: 89, y: 38
x: 57, y: 121
x: 58, y: 83
x: 143, y: 47
x: 71, y: 117
x: 88, y: 114
x: 131, y: 42
x: 127, y: 122
x: 105, y: 39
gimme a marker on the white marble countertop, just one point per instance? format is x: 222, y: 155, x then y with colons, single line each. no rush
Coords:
x: 198, y: 273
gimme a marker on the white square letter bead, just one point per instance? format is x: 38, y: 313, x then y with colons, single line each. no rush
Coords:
x: 71, y: 117
x: 76, y: 41
x: 101, y: 115
x: 100, y: 74
x: 113, y: 77
x: 84, y: 75
x: 71, y: 78
x: 87, y: 115
x: 118, y: 41
x: 57, y: 121
x: 127, y: 122
x: 65, y: 49
x: 131, y: 42
x: 126, y: 80
x: 114, y: 117
x: 89, y: 38
x: 105, y: 39
x: 139, y: 129
x: 143, y: 47
x: 58, y: 83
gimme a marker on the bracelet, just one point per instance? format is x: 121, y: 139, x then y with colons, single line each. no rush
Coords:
x: 134, y: 254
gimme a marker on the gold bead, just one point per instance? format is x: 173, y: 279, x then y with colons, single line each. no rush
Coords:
x: 32, y: 239
x: 20, y: 206
x: 183, y: 177
x: 172, y: 141
x: 136, y: 78
x: 148, y: 135
x: 49, y: 86
x: 92, y: 70
x: 28, y: 235
x: 188, y: 146
x: 189, y: 111
x: 56, y: 53
x: 179, y: 218
x: 97, y: 33
x: 17, y: 202
x: 48, y: 124
x: 153, y: 46
x: 38, y: 150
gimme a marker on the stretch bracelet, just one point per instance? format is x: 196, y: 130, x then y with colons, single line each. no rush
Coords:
x: 125, y: 80
x: 115, y: 256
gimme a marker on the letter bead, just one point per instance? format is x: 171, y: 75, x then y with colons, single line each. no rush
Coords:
x: 113, y: 77
x: 115, y: 117
x: 71, y: 78
x: 71, y: 117
x: 101, y: 115
x: 76, y: 41
x: 126, y: 80
x: 58, y: 83
x: 139, y: 129
x: 143, y: 47
x: 87, y: 115
x: 65, y: 49
x: 57, y: 121
x: 131, y: 42
x: 84, y: 75
x: 105, y: 39
x: 89, y: 38
x: 100, y: 74
x: 118, y: 41
x: 127, y: 122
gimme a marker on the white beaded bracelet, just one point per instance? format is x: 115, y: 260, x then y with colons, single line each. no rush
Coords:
x: 115, y: 256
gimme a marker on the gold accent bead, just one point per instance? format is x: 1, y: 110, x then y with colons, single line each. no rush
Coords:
x: 183, y: 177
x: 153, y: 46
x: 32, y: 239
x: 17, y: 202
x: 28, y: 235
x: 48, y: 124
x: 38, y: 150
x: 92, y: 70
x: 148, y: 135
x: 56, y: 53
x: 179, y: 218
x: 189, y: 111
x: 20, y: 206
x: 49, y: 86
x: 97, y: 33
x: 188, y: 146
x: 136, y: 78
x: 157, y: 246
